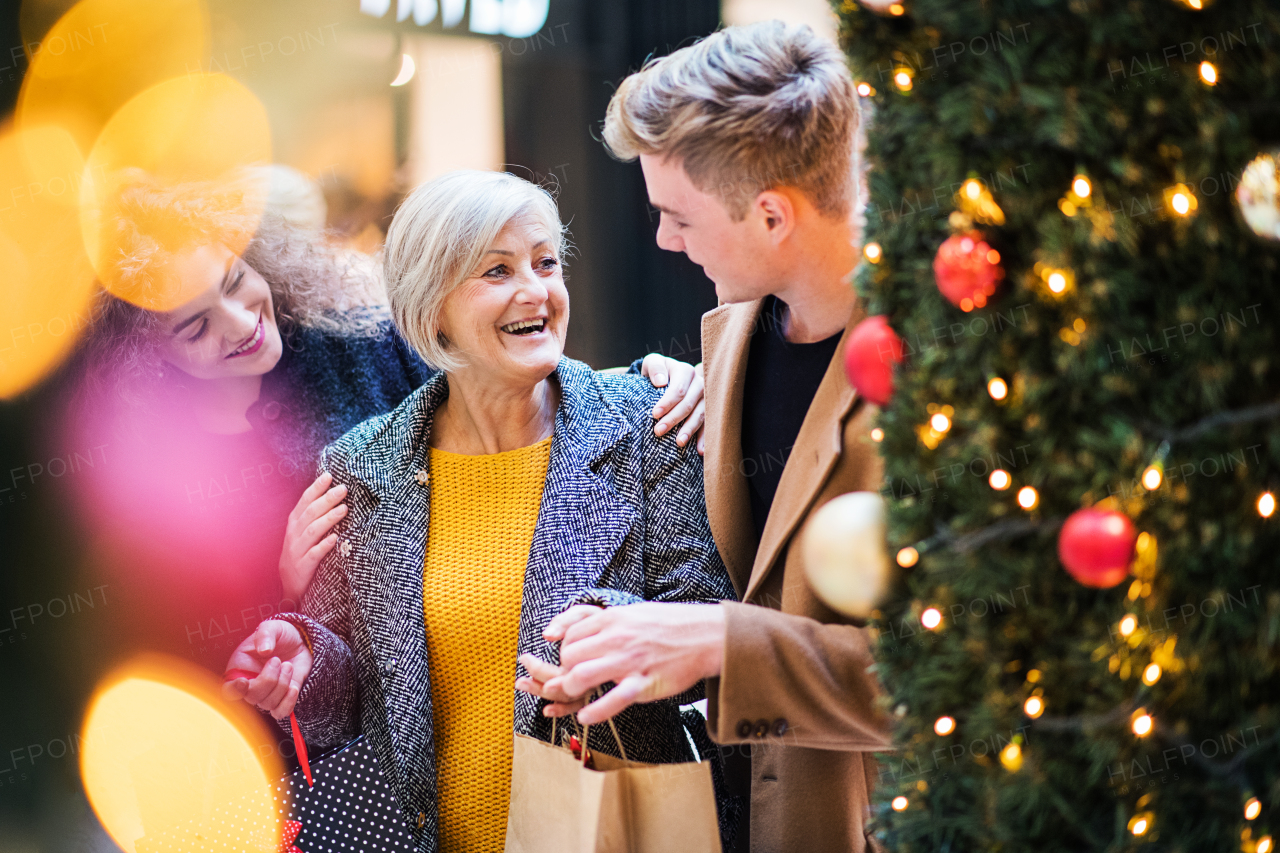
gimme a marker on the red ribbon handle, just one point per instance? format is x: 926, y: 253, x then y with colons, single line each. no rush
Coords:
x: 299, y: 745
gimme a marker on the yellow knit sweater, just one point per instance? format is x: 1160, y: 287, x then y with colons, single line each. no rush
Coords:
x: 483, y: 512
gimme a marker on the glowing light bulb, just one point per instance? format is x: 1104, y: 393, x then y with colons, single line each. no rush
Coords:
x: 1196, y: 4
x: 1151, y: 478
x: 872, y: 252
x: 1208, y: 73
x: 902, y: 79
x: 1127, y: 624
x: 999, y: 479
x: 877, y: 434
x: 908, y: 557
x: 1252, y: 809
x: 1181, y: 204
x: 997, y: 388
x: 1011, y: 757
x: 1033, y: 707
x: 972, y: 189
x: 940, y: 422
x: 899, y: 803
x: 1265, y: 845
x: 1266, y: 504
x: 897, y: 9
x: 993, y: 257
x: 864, y: 90
x: 1142, y: 725
x: 1027, y: 497
x: 944, y: 725
x: 931, y: 618
x: 1057, y: 282
x: 1151, y: 674
x: 1139, y: 826
x: 1081, y: 187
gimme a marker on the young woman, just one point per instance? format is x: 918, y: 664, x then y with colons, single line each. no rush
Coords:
x: 212, y: 413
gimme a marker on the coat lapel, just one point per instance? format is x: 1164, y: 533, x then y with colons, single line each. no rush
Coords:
x: 817, y: 448
x: 726, y: 340
x: 582, y: 521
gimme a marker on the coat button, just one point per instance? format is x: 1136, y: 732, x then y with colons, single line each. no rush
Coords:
x: 422, y: 819
x: 422, y: 476
x: 389, y: 667
x: 780, y: 726
x: 345, y: 548
x: 271, y: 410
x: 744, y: 728
x: 762, y: 728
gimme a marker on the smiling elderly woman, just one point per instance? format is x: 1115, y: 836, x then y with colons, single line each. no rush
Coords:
x: 512, y: 485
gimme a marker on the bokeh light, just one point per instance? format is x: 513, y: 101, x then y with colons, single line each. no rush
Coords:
x: 999, y: 479
x: 944, y: 725
x: 102, y: 53
x: 200, y: 127
x: 47, y: 285
x: 997, y: 388
x: 931, y: 618
x: 165, y: 758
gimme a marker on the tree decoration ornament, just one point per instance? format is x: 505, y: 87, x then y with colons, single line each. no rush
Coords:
x: 1258, y: 195
x: 869, y: 356
x: 967, y: 270
x: 845, y: 555
x: 1096, y: 546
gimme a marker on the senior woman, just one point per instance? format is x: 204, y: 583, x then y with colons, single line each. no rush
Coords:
x: 513, y: 484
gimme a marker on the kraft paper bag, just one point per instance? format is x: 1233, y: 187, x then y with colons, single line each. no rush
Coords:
x: 560, y: 806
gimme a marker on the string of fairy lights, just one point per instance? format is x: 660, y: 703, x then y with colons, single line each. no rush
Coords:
x: 967, y: 270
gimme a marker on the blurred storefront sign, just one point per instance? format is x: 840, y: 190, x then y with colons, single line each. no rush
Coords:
x: 511, y: 18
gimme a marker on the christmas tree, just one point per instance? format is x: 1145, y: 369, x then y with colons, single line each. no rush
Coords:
x: 1072, y: 230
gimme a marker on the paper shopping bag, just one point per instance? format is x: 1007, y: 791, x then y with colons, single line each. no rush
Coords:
x: 558, y: 805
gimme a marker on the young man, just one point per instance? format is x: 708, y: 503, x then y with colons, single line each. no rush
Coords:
x: 747, y: 143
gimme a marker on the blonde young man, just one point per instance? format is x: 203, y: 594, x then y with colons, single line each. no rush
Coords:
x: 746, y: 140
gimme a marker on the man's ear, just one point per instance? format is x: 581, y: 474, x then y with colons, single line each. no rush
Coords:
x: 776, y: 212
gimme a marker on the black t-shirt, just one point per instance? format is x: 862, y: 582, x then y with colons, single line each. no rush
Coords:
x: 782, y: 378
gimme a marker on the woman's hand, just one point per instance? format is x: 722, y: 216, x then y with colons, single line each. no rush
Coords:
x: 683, y: 400
x: 307, y: 538
x: 279, y: 655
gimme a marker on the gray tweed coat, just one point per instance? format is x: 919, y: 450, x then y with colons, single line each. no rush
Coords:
x: 622, y: 520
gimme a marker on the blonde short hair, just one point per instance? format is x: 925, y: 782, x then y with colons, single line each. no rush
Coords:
x: 746, y: 109
x: 439, y: 235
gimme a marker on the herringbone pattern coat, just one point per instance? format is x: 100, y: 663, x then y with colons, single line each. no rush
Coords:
x: 622, y: 519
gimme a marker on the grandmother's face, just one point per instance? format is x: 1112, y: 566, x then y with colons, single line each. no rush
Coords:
x: 509, y: 318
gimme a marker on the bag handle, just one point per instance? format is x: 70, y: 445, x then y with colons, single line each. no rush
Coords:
x: 586, y: 733
x: 299, y: 745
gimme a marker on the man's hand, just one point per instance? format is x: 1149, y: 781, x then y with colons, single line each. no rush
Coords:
x: 650, y: 651
x: 683, y: 400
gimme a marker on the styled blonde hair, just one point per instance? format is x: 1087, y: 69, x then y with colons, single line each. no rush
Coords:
x: 438, y: 237
x: 745, y: 110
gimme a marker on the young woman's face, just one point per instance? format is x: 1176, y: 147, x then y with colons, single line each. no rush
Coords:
x: 229, y: 329
x: 509, y: 318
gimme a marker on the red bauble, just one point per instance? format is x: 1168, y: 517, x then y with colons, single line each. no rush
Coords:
x: 968, y: 270
x: 869, y: 356
x: 1096, y: 547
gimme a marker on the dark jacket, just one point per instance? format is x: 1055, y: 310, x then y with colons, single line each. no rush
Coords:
x: 327, y: 382
x: 622, y: 519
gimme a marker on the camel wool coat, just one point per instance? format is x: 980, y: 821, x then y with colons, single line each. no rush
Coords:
x: 798, y: 681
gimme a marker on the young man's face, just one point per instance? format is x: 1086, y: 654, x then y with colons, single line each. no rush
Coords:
x: 734, y: 255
